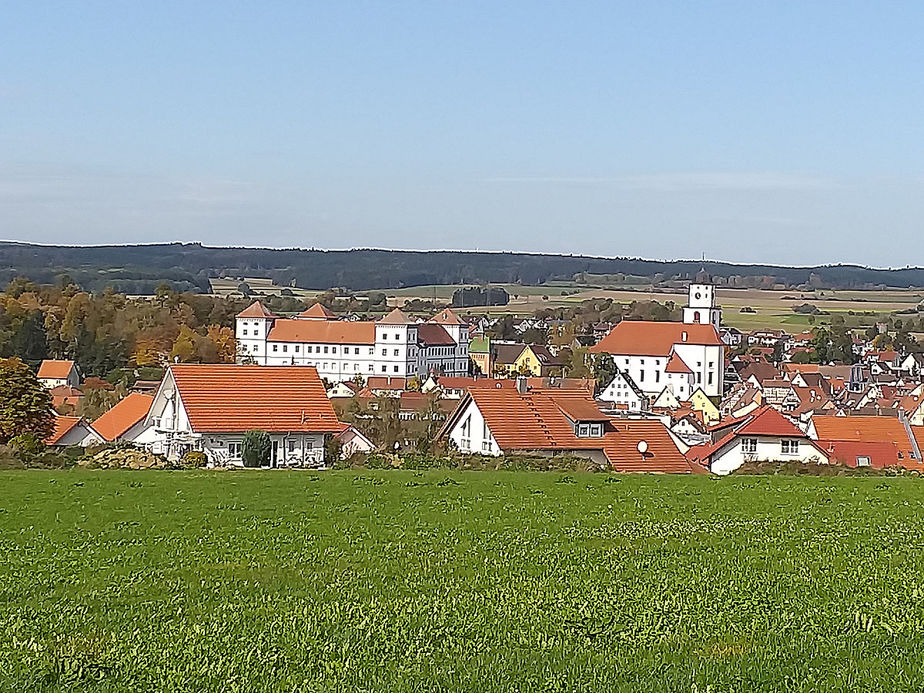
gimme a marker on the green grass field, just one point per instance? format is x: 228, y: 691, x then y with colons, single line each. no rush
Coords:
x: 459, y: 581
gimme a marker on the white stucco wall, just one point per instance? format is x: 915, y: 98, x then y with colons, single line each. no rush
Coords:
x: 731, y: 457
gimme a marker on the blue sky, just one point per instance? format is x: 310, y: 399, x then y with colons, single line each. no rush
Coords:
x: 776, y: 132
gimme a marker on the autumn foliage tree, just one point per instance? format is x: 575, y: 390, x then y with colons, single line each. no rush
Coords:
x: 25, y: 404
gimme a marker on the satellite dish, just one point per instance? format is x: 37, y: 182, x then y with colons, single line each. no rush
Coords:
x: 642, y: 447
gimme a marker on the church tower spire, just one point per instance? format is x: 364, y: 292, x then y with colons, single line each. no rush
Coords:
x: 701, y: 308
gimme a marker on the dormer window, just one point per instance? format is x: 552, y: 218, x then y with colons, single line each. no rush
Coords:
x: 589, y: 429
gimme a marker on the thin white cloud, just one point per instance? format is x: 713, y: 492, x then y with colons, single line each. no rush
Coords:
x: 683, y: 182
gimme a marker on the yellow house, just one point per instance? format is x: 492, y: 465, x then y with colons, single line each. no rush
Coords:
x: 699, y: 401
x: 537, y: 361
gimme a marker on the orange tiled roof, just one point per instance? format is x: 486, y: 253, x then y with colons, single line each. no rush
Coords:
x: 63, y: 425
x: 536, y: 421
x: 126, y: 413
x: 881, y: 454
x: 322, y: 332
x: 645, y: 338
x: 677, y: 365
x: 318, y: 312
x: 55, y: 370
x: 228, y: 398
x: 446, y: 317
x: 767, y: 421
x: 661, y: 456
x: 395, y: 317
x: 256, y: 310
x: 861, y: 428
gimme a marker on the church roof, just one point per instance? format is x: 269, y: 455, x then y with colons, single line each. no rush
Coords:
x: 256, y: 310
x: 645, y: 338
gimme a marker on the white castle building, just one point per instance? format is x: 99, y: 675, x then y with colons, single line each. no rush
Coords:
x: 681, y: 356
x: 395, y: 345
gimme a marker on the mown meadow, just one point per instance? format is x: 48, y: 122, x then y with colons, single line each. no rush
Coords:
x: 459, y: 581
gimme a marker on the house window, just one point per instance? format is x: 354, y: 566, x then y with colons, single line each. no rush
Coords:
x: 245, y: 331
x: 641, y: 376
x: 256, y: 348
x: 325, y: 350
x: 384, y: 335
x: 371, y: 368
x: 356, y: 351
x: 749, y: 446
x: 657, y: 376
x: 275, y: 347
x: 384, y: 369
x: 863, y: 462
x: 296, y: 348
x: 596, y: 430
x: 709, y: 379
x: 308, y: 349
x: 371, y: 351
x: 789, y: 447
x: 291, y: 445
x: 285, y: 348
x: 234, y: 449
x: 583, y: 430
x: 396, y: 352
x: 333, y: 350
x: 396, y: 369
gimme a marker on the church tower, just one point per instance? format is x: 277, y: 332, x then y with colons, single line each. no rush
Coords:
x: 701, y: 308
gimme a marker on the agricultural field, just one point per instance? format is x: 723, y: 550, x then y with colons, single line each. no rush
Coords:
x: 259, y: 287
x: 459, y: 581
x: 772, y: 308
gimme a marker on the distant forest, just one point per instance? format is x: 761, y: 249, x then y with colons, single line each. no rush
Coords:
x: 139, y: 269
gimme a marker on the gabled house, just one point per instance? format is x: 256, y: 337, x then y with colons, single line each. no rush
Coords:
x: 536, y: 360
x: 125, y: 422
x: 503, y: 420
x: 53, y: 373
x: 623, y: 392
x: 764, y: 435
x: 829, y: 430
x: 209, y: 408
x: 73, y: 430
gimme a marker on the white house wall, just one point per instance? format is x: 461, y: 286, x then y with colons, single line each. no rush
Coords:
x: 731, y: 457
x: 476, y: 441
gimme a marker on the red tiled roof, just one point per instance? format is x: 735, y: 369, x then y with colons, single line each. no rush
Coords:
x: 455, y: 382
x: 662, y: 455
x: 395, y: 317
x: 434, y: 335
x: 228, y: 398
x: 677, y: 365
x: 322, y: 332
x: 644, y: 338
x: 536, y: 421
x: 446, y: 317
x: 881, y: 454
x: 256, y: 310
x: 55, y: 370
x: 63, y: 425
x: 317, y: 312
x: 767, y: 421
x: 861, y: 428
x: 126, y: 413
x: 386, y: 382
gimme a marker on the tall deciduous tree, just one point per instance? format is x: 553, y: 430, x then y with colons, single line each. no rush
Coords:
x: 25, y: 404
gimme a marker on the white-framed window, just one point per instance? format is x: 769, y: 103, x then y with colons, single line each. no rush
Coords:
x: 296, y: 348
x: 333, y: 350
x: 384, y: 352
x: 396, y: 369
x: 583, y: 430
x: 384, y: 335
x: 256, y: 348
x: 275, y: 347
x: 308, y: 349
x: 789, y: 447
x: 384, y: 369
x: 291, y: 443
x: 749, y: 446
x: 325, y: 349
x: 356, y: 351
x: 396, y: 352
x: 285, y: 348
x: 235, y: 448
x: 863, y: 461
x: 245, y: 331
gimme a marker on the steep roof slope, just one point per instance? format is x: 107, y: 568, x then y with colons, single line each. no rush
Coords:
x: 228, y: 398
x: 126, y: 413
x: 55, y: 370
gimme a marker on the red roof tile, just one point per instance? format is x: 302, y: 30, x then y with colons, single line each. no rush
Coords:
x: 677, y: 365
x: 322, y: 332
x: 63, y: 426
x: 395, y: 317
x: 767, y: 421
x: 861, y: 428
x: 55, y: 370
x: 317, y: 312
x: 126, y: 413
x: 434, y: 335
x: 446, y: 317
x: 256, y: 310
x: 645, y: 338
x: 227, y: 398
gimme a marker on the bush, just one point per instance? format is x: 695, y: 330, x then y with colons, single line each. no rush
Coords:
x: 256, y: 449
x: 194, y: 460
x: 27, y: 446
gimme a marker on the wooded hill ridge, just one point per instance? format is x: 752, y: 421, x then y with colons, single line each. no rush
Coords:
x: 139, y: 269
